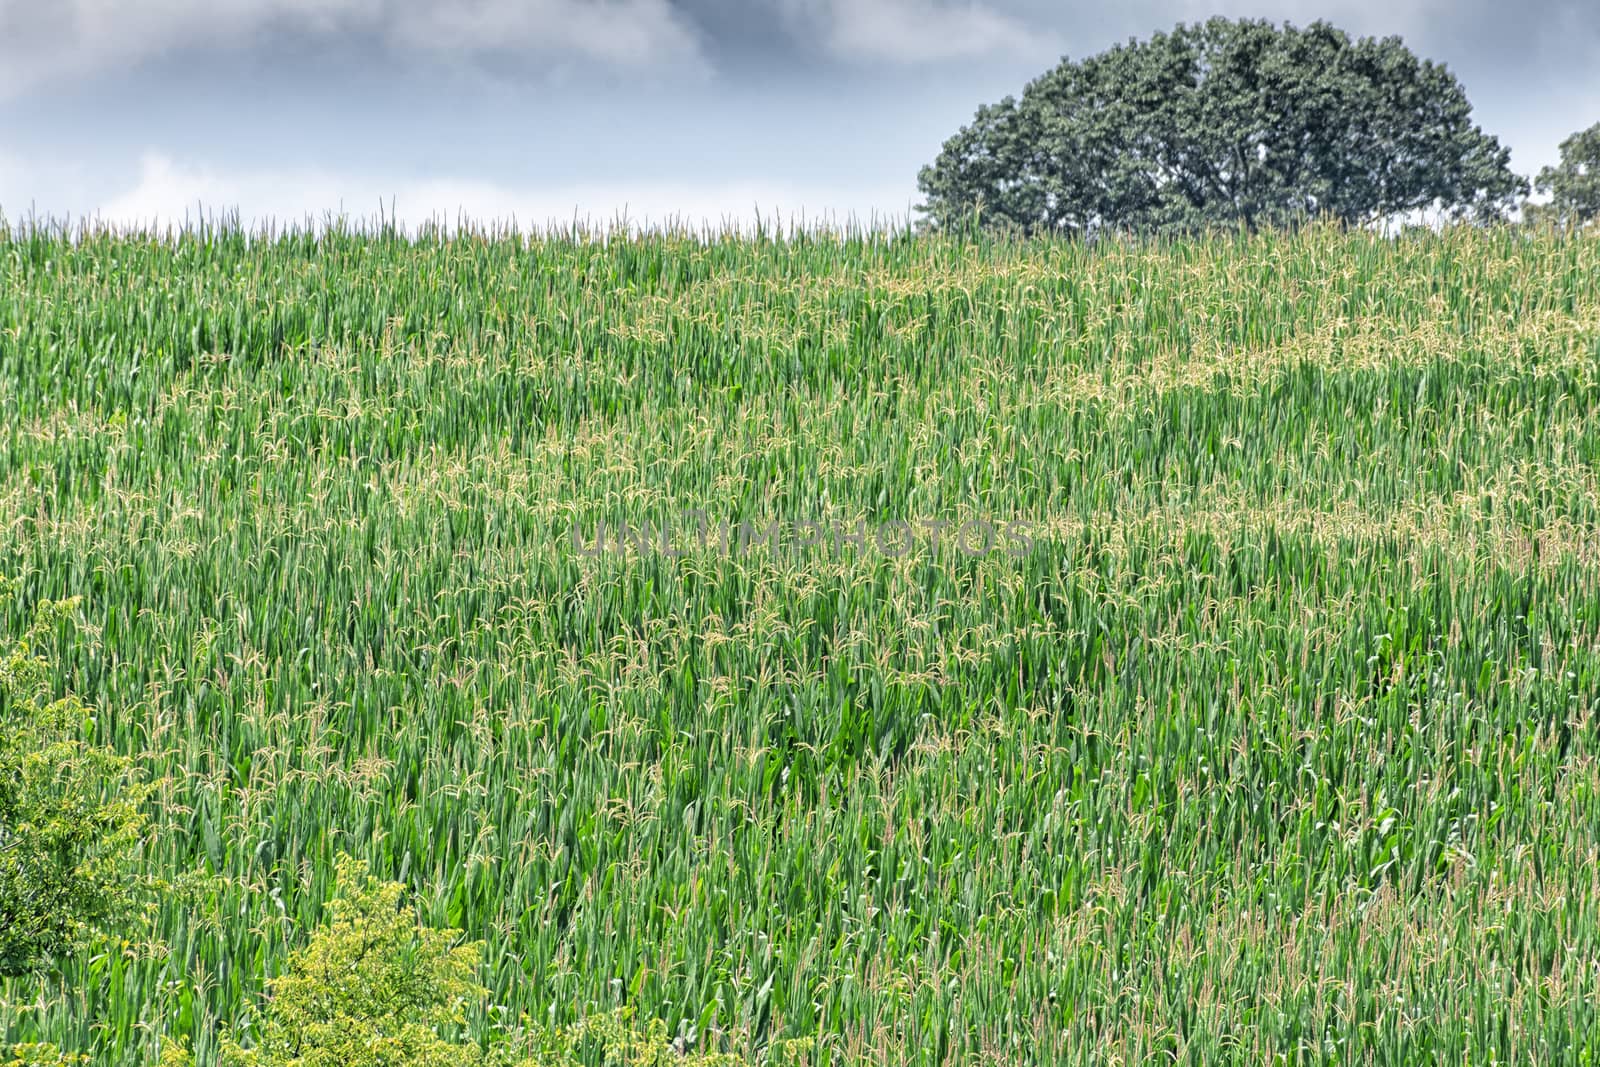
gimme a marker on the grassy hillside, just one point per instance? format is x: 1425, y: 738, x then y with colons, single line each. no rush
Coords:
x: 1275, y: 735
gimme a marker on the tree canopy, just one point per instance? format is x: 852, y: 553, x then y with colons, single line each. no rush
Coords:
x: 1573, y: 184
x: 1226, y: 122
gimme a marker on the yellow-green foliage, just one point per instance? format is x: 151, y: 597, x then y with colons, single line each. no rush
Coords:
x: 41, y: 1055
x: 69, y: 810
x: 372, y: 988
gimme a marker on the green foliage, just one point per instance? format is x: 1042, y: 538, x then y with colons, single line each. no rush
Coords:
x: 70, y: 818
x: 1226, y: 123
x: 373, y: 988
x: 1573, y: 184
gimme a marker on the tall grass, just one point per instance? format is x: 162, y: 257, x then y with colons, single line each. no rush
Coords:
x: 1277, y: 746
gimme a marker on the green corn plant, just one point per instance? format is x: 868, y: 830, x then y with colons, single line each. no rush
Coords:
x: 1276, y: 744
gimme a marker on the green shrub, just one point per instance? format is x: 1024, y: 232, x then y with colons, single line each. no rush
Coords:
x: 41, y: 1055
x: 374, y: 988
x: 70, y: 820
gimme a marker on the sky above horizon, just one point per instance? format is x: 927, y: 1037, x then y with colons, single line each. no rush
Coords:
x: 545, y: 111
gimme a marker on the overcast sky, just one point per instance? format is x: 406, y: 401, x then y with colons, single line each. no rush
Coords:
x: 543, y: 110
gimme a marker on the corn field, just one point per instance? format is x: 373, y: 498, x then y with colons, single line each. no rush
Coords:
x: 1275, y: 742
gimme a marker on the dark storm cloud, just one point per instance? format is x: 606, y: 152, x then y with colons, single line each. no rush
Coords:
x: 1538, y: 40
x: 742, y: 30
x: 741, y: 40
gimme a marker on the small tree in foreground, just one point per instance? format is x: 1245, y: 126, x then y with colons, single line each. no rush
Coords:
x: 374, y: 988
x: 371, y: 989
x: 70, y: 819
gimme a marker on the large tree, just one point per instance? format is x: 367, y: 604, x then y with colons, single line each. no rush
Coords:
x: 1224, y: 122
x: 1573, y: 184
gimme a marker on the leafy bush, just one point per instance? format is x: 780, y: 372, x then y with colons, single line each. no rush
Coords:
x: 371, y: 989
x: 41, y: 1055
x: 70, y: 820
x: 374, y: 988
